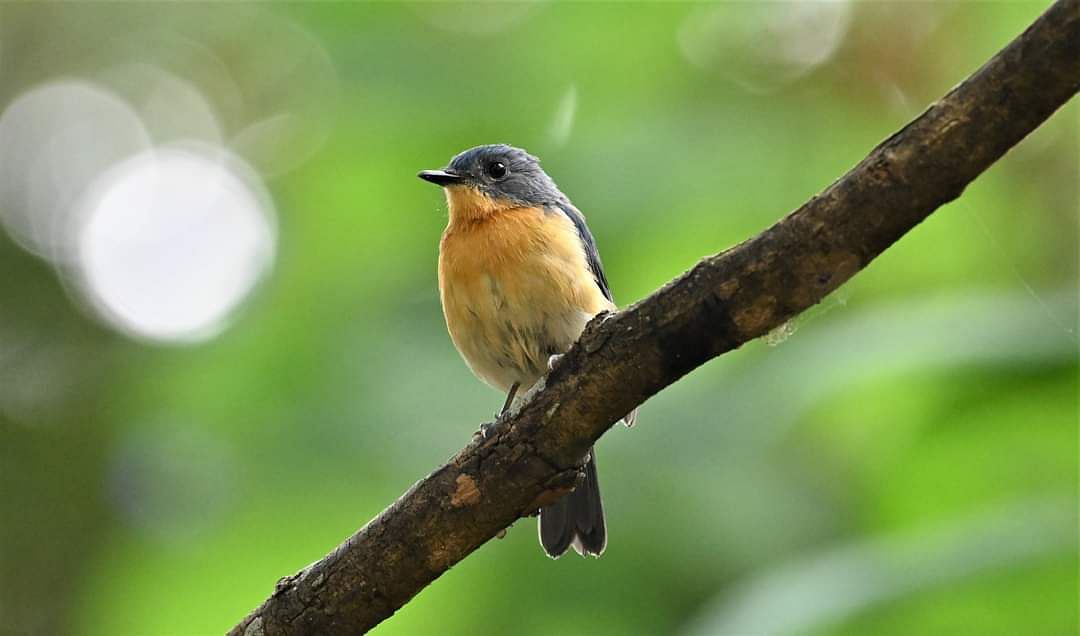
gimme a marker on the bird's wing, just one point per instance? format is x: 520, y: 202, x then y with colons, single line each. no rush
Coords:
x: 592, y: 255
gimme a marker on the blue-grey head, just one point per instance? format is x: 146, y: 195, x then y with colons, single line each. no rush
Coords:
x: 502, y: 173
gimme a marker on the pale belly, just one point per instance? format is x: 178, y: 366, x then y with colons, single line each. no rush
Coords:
x: 508, y: 338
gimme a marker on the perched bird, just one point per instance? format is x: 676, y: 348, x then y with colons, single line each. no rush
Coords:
x: 519, y: 277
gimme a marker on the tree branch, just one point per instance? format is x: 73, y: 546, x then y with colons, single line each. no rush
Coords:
x: 725, y: 300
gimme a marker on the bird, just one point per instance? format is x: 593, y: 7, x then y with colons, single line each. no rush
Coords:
x: 519, y: 278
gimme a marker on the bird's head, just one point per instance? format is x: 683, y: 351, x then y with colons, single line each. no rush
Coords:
x: 488, y: 179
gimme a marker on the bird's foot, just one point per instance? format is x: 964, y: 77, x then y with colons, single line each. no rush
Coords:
x: 553, y: 360
x: 487, y: 429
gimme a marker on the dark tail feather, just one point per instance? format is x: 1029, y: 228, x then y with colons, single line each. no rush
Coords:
x: 576, y: 520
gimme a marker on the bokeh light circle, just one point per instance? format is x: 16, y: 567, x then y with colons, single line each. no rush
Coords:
x: 171, y: 241
x: 290, y: 90
x: 172, y: 107
x: 762, y: 47
x: 54, y: 141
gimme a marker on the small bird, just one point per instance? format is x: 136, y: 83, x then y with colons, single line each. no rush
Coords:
x: 519, y: 278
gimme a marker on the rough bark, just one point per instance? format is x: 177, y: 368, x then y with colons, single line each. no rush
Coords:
x: 725, y: 300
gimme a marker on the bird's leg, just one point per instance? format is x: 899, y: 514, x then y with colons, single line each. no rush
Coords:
x: 487, y: 428
x: 510, y: 397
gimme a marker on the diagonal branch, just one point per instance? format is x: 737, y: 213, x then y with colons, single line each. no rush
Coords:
x: 722, y: 302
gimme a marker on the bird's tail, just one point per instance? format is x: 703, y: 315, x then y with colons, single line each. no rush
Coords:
x: 576, y: 520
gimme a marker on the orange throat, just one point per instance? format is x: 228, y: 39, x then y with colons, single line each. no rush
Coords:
x: 468, y: 204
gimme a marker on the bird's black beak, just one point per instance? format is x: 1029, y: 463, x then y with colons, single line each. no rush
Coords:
x: 441, y: 177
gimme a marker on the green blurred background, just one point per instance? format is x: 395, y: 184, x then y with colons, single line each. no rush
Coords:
x: 901, y: 459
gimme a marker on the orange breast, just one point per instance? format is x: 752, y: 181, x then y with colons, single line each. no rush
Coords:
x: 515, y: 289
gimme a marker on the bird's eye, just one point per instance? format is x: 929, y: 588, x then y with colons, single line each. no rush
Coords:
x: 497, y: 169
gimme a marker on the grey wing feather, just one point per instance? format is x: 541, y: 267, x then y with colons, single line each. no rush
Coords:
x: 592, y: 255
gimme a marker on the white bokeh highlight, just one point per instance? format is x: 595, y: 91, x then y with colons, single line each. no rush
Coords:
x: 54, y: 140
x: 171, y: 241
x: 141, y: 180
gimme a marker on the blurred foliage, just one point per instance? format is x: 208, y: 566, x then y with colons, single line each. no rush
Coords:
x: 153, y: 489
